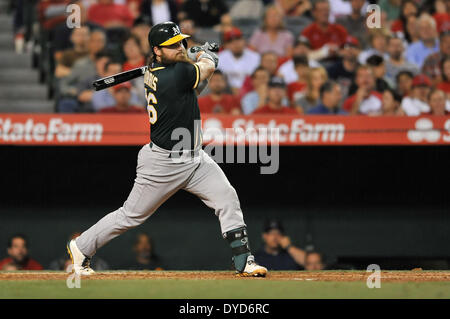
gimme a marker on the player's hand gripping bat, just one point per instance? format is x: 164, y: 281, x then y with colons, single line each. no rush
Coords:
x: 118, y: 78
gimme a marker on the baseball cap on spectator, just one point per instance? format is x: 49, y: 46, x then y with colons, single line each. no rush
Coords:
x: 351, y: 42
x: 273, y: 224
x: 277, y: 82
x: 421, y: 80
x: 302, y: 40
x: 125, y: 85
x: 233, y: 33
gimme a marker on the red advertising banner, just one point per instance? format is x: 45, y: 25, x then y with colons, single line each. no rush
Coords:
x: 133, y: 129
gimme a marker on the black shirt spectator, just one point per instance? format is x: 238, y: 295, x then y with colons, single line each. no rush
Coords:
x: 278, y: 253
x: 205, y: 13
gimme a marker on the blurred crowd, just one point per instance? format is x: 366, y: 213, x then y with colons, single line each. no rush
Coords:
x: 276, y: 56
x: 19, y: 257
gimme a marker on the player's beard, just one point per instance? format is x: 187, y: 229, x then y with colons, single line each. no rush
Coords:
x: 179, y: 57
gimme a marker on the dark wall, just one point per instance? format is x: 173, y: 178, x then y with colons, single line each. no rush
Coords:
x: 369, y: 202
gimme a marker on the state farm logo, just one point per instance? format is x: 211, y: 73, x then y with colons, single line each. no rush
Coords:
x: 424, y: 132
x: 56, y: 130
x: 295, y: 131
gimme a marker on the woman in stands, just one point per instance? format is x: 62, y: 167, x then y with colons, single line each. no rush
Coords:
x: 272, y: 36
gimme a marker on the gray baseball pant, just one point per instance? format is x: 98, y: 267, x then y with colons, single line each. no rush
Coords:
x: 158, y: 177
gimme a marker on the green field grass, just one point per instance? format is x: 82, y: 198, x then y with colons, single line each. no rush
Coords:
x: 220, y: 288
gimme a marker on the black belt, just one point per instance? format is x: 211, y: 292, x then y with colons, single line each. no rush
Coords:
x: 175, y: 154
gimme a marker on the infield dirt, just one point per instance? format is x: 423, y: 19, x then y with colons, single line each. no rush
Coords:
x: 342, y: 276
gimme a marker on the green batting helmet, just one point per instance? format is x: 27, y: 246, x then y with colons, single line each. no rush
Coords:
x: 164, y: 34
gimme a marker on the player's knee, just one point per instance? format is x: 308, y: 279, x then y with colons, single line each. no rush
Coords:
x: 229, y: 199
x: 129, y: 219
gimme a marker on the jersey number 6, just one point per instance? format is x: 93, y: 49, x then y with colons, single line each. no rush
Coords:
x: 151, y: 102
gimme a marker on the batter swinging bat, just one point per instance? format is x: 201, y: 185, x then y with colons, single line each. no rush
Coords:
x: 118, y: 78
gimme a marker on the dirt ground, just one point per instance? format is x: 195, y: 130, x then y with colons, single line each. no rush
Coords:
x: 391, y: 276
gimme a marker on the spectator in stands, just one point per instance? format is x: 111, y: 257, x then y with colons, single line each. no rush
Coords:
x: 343, y: 70
x: 272, y: 36
x: 396, y: 61
x: 301, y: 49
x: 366, y: 100
x: 226, y: 24
x: 278, y: 252
x: 269, y: 61
x: 187, y: 26
x: 391, y: 7
x: 236, y: 61
x: 134, y: 6
x: 442, y: 15
x: 18, y: 255
x: 314, y: 261
x: 275, y: 96
x: 431, y: 67
x: 294, y: 8
x: 355, y: 23
x: 84, y: 69
x: 105, y: 98
x: 391, y: 103
x: 428, y: 44
x: 412, y: 27
x: 378, y: 45
x: 404, y: 83
x: 205, y: 13
x: 217, y: 101
x: 158, y: 11
x: 438, y: 102
x: 80, y: 40
x: 64, y: 261
x: 330, y: 97
x: 295, y: 90
x: 135, y: 59
x: 141, y: 28
x: 445, y: 71
x: 316, y: 77
x: 325, y: 37
x: 133, y: 53
x: 378, y: 66
x: 408, y: 9
x: 122, y: 97
x: 417, y: 103
x: 108, y: 14
x: 145, y: 257
x: 258, y: 96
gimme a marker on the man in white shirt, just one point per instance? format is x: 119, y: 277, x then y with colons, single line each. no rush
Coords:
x: 417, y: 103
x: 302, y: 47
x: 236, y: 61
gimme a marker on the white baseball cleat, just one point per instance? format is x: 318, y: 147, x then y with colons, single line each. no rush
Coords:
x: 81, y: 263
x: 252, y: 269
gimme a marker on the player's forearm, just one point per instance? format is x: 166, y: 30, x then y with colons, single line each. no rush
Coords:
x: 206, y: 68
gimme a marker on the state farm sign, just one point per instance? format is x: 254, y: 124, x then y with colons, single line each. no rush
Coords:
x: 134, y: 129
x: 295, y: 131
x: 55, y: 129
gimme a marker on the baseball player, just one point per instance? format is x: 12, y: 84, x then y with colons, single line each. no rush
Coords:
x: 171, y: 87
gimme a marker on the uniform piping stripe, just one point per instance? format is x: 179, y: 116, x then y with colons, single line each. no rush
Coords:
x: 158, y: 68
x: 198, y: 76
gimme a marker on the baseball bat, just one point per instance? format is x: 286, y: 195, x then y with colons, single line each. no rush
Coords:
x: 118, y: 78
